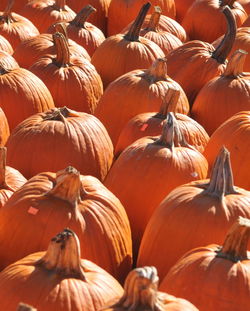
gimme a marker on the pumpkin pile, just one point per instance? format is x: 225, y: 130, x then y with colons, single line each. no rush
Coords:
x: 124, y: 155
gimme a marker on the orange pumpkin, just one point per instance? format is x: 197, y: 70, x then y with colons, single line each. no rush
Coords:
x: 122, y: 12
x: 45, y: 13
x: 49, y: 202
x: 166, y: 162
x: 192, y: 215
x: 141, y: 293
x: 5, y: 45
x: 194, y: 63
x: 136, y: 92
x: 4, y: 129
x: 234, y: 135
x: 58, y: 279
x: 72, y: 81
x: 210, y: 10
x: 123, y: 53
x: 246, y: 5
x: 21, y: 92
x: 14, y: 27
x: 182, y: 7
x: 151, y: 124
x: 218, y: 272
x: 59, y: 137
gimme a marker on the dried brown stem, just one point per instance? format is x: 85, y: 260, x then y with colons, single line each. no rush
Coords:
x: 170, y: 102
x: 82, y: 16
x: 154, y: 20
x: 62, y: 50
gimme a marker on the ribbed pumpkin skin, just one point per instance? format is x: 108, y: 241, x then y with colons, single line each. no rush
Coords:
x: 28, y: 52
x: 234, y: 135
x: 81, y: 141
x: 141, y: 187
x: 131, y: 94
x: 22, y: 94
x: 45, y: 13
x: 4, y: 128
x: 122, y: 12
x: 98, y: 219
x: 48, y: 291
x: 100, y: 18
x: 149, y: 124
x: 77, y: 86
x: 210, y: 10
x: 188, y: 218
x: 5, y: 45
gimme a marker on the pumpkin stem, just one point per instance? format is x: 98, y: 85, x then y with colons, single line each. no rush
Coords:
x: 60, y: 114
x: 171, y: 135
x: 60, y: 4
x: 7, y: 16
x: 134, y: 31
x: 222, y: 51
x: 235, y: 245
x: 157, y: 71
x: 62, y: 28
x: 64, y: 256
x: 235, y: 64
x: 140, y: 291
x: 3, y: 152
x: 62, y: 50
x: 221, y: 181
x: 154, y: 20
x: 230, y: 3
x: 68, y: 186
x: 82, y: 16
x: 24, y: 307
x: 170, y: 102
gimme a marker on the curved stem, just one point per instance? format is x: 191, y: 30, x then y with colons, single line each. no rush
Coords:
x: 82, y: 16
x: 24, y: 307
x: 170, y: 102
x: 157, y: 71
x: 221, y: 181
x: 64, y: 256
x: 60, y: 4
x: 222, y: 51
x: 62, y: 50
x: 68, y: 186
x: 62, y: 28
x: 236, y: 242
x: 154, y: 19
x: 235, y: 64
x: 134, y: 31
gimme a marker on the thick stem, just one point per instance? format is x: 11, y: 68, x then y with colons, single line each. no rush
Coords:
x: 62, y: 28
x: 60, y: 4
x: 170, y: 102
x: 68, y: 186
x: 222, y: 51
x: 82, y: 16
x: 236, y: 242
x: 60, y: 114
x: 154, y: 20
x: 235, y: 64
x: 134, y: 31
x: 221, y: 181
x: 227, y: 2
x: 62, y: 50
x: 25, y: 307
x: 171, y: 135
x: 64, y: 256
x: 157, y: 71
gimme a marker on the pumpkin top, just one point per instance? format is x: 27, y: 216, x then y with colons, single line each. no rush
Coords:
x: 154, y: 20
x: 62, y: 58
x: 61, y: 27
x: 7, y: 16
x: 170, y: 103
x: 235, y: 64
x: 25, y: 307
x: 157, y: 71
x: 236, y: 242
x: 7, y: 63
x: 134, y: 31
x: 82, y: 16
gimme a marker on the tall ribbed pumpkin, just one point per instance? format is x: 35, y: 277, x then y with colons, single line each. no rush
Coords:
x: 49, y: 202
x: 58, y: 279
x: 149, y: 169
x: 57, y: 138
x: 194, y: 214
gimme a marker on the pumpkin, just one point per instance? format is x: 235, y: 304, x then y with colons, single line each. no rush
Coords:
x: 45, y: 13
x: 123, y: 53
x: 141, y: 293
x: 14, y: 27
x: 182, y: 7
x: 204, y: 210
x: 210, y: 10
x: 25, y: 307
x: 136, y: 92
x: 166, y: 162
x: 218, y: 272
x: 100, y: 19
x: 58, y: 279
x: 4, y: 129
x: 234, y: 135
x: 21, y: 92
x: 49, y: 202
x: 194, y: 63
x: 151, y: 124
x: 28, y: 52
x: 68, y: 76
x: 233, y: 84
x: 84, y: 33
x: 246, y: 5
x: 122, y: 12
x: 5, y: 45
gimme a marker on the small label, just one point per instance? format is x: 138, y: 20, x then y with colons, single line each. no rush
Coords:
x: 33, y: 211
x: 194, y: 174
x: 143, y: 128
